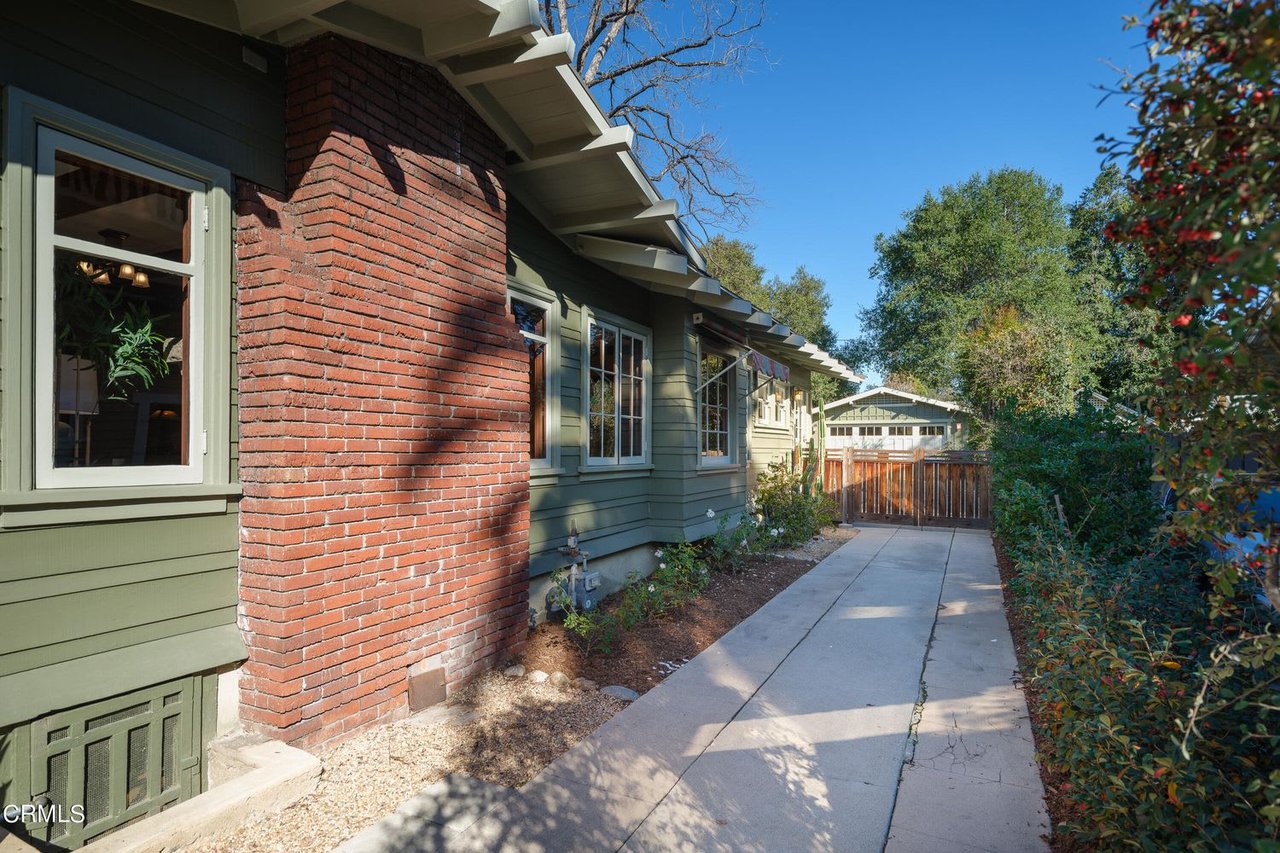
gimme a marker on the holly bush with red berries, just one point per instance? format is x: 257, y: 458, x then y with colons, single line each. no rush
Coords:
x: 1204, y: 155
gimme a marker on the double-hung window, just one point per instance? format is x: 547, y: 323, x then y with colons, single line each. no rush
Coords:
x: 771, y: 402
x: 120, y: 312
x: 715, y: 409
x: 617, y: 394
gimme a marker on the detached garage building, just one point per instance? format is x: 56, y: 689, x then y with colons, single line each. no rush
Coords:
x: 888, y: 419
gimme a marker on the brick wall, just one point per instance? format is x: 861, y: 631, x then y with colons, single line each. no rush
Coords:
x: 383, y: 400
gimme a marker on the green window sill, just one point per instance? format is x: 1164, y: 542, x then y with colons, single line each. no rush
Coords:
x: 614, y: 472
x: 45, y: 507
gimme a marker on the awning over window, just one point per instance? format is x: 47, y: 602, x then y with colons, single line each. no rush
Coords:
x: 768, y: 367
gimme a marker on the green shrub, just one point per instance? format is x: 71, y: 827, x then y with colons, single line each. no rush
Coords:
x: 1099, y: 468
x: 1118, y: 654
x: 1162, y: 722
x: 788, y: 505
x: 729, y: 548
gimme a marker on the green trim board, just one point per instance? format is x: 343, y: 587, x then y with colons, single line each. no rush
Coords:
x: 28, y: 695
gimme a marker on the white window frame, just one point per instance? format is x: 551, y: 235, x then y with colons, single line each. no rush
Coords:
x: 548, y: 304
x: 909, y: 431
x: 731, y: 378
x: 866, y: 432
x: 801, y: 422
x: 942, y: 434
x: 768, y: 411
x: 620, y: 327
x: 49, y: 141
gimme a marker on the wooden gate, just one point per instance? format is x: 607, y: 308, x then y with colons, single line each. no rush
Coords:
x: 950, y: 488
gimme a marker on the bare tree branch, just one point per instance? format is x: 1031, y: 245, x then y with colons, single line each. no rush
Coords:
x: 648, y: 61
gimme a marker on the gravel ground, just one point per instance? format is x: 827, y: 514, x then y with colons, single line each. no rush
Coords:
x: 498, y: 729
x: 505, y: 730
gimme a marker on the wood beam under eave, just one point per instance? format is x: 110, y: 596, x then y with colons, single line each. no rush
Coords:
x: 635, y: 256
x: 259, y: 17
x: 357, y: 22
x: 731, y: 307
x: 222, y: 14
x: 614, y: 140
x: 296, y: 33
x: 793, y: 340
x: 511, y: 61
x: 778, y: 330
x: 761, y: 320
x: 615, y: 217
x: 515, y: 19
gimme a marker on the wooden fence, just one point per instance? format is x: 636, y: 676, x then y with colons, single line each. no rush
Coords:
x: 951, y: 488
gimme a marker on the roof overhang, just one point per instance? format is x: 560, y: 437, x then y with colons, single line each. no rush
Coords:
x: 894, y: 392
x: 568, y: 165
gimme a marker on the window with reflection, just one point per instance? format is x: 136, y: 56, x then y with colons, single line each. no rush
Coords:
x: 617, y: 377
x: 532, y: 320
x: 118, y: 270
x: 714, y: 408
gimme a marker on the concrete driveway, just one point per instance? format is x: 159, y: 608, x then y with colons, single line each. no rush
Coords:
x: 800, y: 729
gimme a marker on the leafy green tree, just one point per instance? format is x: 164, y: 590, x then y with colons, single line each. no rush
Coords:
x: 801, y: 301
x: 1128, y: 341
x: 1206, y: 217
x: 1010, y: 359
x: 733, y: 262
x: 993, y: 242
x: 1205, y: 152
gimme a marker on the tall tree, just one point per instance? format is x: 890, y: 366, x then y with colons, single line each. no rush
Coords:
x: 733, y: 262
x: 1009, y: 358
x: 801, y: 301
x: 990, y: 244
x: 1130, y: 340
x: 650, y: 64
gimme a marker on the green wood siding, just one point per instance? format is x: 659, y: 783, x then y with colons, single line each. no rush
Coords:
x: 74, y: 592
x: 105, y: 591
x: 616, y: 510
x: 178, y: 82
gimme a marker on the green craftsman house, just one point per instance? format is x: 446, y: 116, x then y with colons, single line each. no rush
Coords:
x: 888, y: 419
x: 321, y: 325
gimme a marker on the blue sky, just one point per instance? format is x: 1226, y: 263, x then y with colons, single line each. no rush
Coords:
x: 866, y: 105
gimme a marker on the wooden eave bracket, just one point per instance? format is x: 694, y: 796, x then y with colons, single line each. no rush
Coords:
x: 636, y: 257
x: 615, y: 217
x: 511, y: 61
x: 614, y: 140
